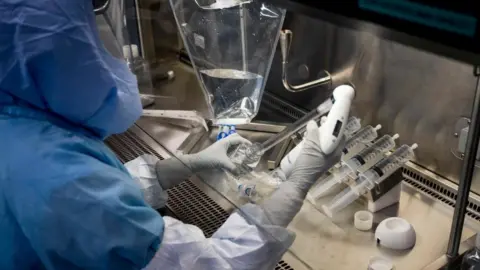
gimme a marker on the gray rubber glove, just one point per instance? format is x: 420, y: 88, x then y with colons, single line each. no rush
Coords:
x: 173, y: 171
x: 311, y: 163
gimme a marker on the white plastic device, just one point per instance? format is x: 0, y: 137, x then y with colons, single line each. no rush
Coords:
x: 395, y: 233
x: 333, y: 124
x: 332, y: 130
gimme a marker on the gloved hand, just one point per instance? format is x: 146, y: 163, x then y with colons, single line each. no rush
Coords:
x: 171, y: 172
x: 311, y: 163
x: 215, y: 156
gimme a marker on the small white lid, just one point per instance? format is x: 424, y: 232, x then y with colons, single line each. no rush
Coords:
x: 363, y: 220
x: 395, y: 233
x: 380, y: 263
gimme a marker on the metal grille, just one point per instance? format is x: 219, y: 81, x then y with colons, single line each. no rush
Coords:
x: 281, y: 107
x: 128, y: 146
x: 435, y: 190
x: 186, y: 200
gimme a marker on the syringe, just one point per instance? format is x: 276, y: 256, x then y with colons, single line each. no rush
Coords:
x: 360, y: 140
x: 353, y: 125
x: 367, y: 180
x: 349, y: 168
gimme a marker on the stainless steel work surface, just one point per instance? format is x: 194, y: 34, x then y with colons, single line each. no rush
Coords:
x: 323, y: 243
x: 335, y: 244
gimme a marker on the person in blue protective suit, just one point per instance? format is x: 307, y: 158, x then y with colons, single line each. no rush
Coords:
x: 66, y: 201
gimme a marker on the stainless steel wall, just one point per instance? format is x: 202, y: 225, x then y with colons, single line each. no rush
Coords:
x: 411, y: 92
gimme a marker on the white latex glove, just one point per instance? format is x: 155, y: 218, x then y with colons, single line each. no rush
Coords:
x: 311, y: 163
x: 173, y: 171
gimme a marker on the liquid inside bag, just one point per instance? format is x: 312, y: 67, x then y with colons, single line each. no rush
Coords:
x: 231, y: 44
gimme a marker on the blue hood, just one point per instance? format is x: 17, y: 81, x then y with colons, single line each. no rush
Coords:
x: 52, y: 59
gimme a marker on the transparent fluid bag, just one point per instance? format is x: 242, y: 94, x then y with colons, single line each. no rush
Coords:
x: 231, y: 44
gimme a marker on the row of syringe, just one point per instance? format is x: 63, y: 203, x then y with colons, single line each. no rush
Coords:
x: 362, y: 161
x: 365, y: 163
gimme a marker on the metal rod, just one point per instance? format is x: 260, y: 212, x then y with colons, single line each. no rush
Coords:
x: 466, y: 176
x: 243, y: 35
x: 285, y: 43
x: 315, y: 114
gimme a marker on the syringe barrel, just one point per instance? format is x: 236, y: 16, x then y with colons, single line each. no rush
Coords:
x: 331, y: 181
x: 387, y: 166
x: 365, y: 135
x: 380, y: 146
x: 353, y: 125
x: 347, y: 196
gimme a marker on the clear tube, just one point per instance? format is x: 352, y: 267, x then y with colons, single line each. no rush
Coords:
x: 364, y: 157
x: 367, y: 180
x: 321, y: 110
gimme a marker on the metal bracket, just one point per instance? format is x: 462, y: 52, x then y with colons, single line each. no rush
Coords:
x: 285, y: 44
x: 193, y: 116
x: 460, y: 133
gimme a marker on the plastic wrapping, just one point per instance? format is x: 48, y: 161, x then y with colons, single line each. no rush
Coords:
x: 231, y: 44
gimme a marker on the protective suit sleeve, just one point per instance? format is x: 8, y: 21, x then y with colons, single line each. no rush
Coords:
x: 85, y: 215
x: 247, y: 240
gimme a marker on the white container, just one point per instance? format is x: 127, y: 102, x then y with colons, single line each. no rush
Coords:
x: 395, y: 233
x: 363, y: 220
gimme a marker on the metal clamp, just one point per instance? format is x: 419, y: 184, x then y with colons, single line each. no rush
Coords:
x: 285, y: 44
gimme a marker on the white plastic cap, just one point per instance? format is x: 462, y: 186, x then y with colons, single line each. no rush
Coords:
x: 377, y: 127
x: 380, y: 263
x: 396, y: 136
x: 130, y: 51
x: 363, y: 220
x: 344, y: 91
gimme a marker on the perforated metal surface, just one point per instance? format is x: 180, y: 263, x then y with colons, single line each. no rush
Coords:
x: 437, y: 191
x: 280, y: 107
x: 186, y: 200
x: 128, y: 146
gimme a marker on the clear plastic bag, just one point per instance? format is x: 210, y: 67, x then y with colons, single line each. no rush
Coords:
x: 231, y: 44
